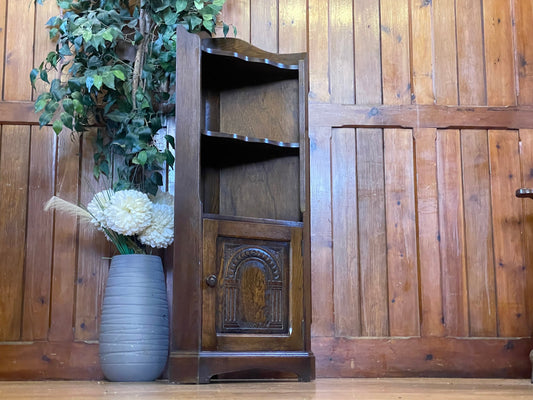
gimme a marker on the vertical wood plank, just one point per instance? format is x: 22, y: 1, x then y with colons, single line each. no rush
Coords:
x: 372, y: 233
x: 444, y: 43
x: 367, y: 52
x: 395, y: 52
x: 508, y: 248
x: 523, y: 15
x: 264, y: 25
x: 237, y: 13
x: 422, y: 51
x: 428, y: 233
x: 401, y: 233
x: 14, y: 162
x: 341, y: 51
x: 93, y: 252
x: 292, y: 26
x: 526, y: 158
x: 321, y: 232
x: 39, y: 237
x: 318, y: 51
x: 345, y: 240
x: 42, y: 43
x: 499, y: 57
x: 65, y: 243
x: 3, y: 12
x: 370, y: 178
x: 478, y: 234
x: 451, y: 223
x: 19, y: 44
x: 470, y: 57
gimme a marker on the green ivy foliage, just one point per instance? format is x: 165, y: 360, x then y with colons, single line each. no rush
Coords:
x: 113, y: 67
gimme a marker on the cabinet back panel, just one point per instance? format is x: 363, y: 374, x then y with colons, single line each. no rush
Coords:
x: 262, y: 111
x: 267, y: 189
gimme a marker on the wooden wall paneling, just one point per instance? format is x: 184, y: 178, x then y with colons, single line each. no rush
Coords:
x: 499, y: 56
x: 65, y: 242
x: 470, y: 57
x: 401, y: 233
x: 19, y: 43
x: 445, y: 48
x: 343, y: 172
x: 370, y: 177
x: 478, y: 234
x: 523, y: 15
x: 237, y: 13
x: 511, y: 272
x: 345, y: 238
x: 422, y: 51
x: 431, y: 310
x: 526, y: 158
x: 451, y: 222
x: 93, y: 251
x: 395, y: 62
x: 39, y: 237
x: 292, y: 26
x: 264, y: 25
x: 321, y: 232
x: 14, y: 163
x: 3, y: 13
x: 318, y: 49
x: 42, y: 43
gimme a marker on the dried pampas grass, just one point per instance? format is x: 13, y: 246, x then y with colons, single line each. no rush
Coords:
x: 68, y: 208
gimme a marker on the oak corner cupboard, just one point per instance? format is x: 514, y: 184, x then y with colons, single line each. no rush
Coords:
x: 241, y: 273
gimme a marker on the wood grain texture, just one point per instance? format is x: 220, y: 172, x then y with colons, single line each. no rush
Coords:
x: 39, y: 236
x: 367, y: 33
x: 318, y: 47
x: 401, y: 234
x: 321, y: 232
x: 3, y: 12
x: 237, y: 13
x: 478, y: 234
x: 292, y: 26
x: 420, y: 116
x: 344, y: 203
x: 445, y: 52
x: 523, y: 29
x: 264, y: 25
x: 431, y: 323
x: 14, y: 164
x: 470, y: 57
x: 526, y: 160
x: 451, y: 223
x: 499, y: 57
x: 19, y: 38
x: 511, y: 272
x: 93, y: 252
x: 372, y: 233
x: 42, y: 44
x: 64, y: 267
x: 395, y: 64
x: 426, y: 356
x: 422, y: 61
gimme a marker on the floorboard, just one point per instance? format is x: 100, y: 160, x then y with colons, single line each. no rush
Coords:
x: 323, y: 389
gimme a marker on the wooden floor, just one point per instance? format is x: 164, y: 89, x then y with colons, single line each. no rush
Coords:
x: 359, y: 389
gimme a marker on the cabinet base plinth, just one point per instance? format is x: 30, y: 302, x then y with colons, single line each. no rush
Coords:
x: 202, y: 367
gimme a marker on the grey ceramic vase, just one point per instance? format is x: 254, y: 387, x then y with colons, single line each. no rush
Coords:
x: 134, y: 331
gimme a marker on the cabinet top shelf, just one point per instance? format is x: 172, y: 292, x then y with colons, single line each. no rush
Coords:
x: 242, y: 138
x: 237, y: 48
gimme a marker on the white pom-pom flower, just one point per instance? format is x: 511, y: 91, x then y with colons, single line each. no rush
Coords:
x: 160, y: 233
x: 163, y: 198
x: 97, y: 206
x: 129, y: 212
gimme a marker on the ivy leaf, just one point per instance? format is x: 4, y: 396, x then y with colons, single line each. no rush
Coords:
x: 33, y: 75
x: 209, y: 25
x: 107, y: 35
x: 170, y: 141
x: 181, y: 5
x: 68, y: 106
x: 57, y: 126
x: 78, y: 107
x: 66, y: 119
x: 42, y: 101
x: 141, y: 158
x: 109, y: 79
x: 119, y: 74
x: 44, y: 76
x: 45, y: 118
x: 225, y: 29
x: 199, y: 4
x: 89, y: 82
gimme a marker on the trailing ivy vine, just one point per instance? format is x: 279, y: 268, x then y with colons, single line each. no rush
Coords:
x: 113, y: 67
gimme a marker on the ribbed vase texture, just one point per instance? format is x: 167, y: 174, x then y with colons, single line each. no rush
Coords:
x: 134, y: 331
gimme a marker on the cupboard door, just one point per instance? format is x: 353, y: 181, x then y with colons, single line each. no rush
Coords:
x: 252, y: 286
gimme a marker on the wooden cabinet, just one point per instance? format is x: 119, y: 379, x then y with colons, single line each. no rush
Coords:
x: 240, y: 282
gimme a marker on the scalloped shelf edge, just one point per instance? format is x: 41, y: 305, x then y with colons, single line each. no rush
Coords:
x: 234, y: 136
